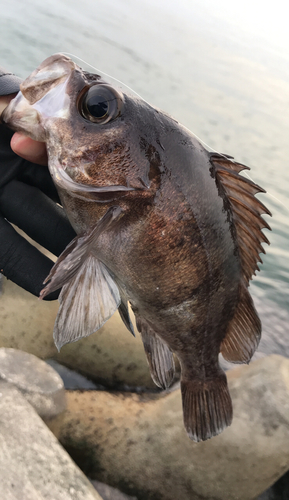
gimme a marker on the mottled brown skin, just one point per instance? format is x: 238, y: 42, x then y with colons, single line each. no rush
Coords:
x: 173, y: 250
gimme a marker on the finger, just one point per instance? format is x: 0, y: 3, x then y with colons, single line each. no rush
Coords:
x: 21, y: 262
x: 12, y: 166
x: 29, y: 149
x: 37, y: 215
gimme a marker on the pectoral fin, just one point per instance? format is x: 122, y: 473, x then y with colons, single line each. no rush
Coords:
x: 89, y: 295
x: 160, y: 357
x: 86, y: 303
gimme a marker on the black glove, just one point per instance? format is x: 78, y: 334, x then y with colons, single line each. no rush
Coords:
x: 27, y: 199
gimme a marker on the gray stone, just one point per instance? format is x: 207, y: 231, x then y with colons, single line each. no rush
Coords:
x: 278, y: 491
x: 109, y: 493
x: 38, y: 382
x: 266, y: 496
x: 33, y: 465
x: 71, y: 379
x: 111, y: 355
x: 27, y: 322
x: 138, y: 443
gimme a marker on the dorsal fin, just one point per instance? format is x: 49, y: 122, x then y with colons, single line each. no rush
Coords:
x: 245, y: 210
x: 244, y: 330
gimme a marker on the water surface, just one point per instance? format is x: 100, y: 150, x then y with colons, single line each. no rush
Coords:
x: 216, y: 69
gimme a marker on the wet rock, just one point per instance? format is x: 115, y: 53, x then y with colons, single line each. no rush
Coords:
x: 71, y: 379
x: 112, y: 355
x: 138, y: 443
x: 109, y: 493
x: 279, y: 490
x: 26, y: 322
x: 38, y: 382
x: 33, y: 465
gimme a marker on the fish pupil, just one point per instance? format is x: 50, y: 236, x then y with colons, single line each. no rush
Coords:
x: 97, y: 106
x: 100, y: 104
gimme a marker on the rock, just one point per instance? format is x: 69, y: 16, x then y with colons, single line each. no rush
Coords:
x: 266, y: 495
x: 70, y: 378
x: 33, y: 465
x: 26, y: 322
x: 279, y: 490
x: 109, y: 493
x: 138, y: 443
x: 112, y: 355
x: 39, y: 383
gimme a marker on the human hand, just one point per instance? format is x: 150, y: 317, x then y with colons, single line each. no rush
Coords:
x: 29, y: 200
x: 30, y: 150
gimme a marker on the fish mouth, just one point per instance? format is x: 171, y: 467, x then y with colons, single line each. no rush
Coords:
x: 5, y: 101
x: 42, y: 97
x: 102, y: 194
x: 20, y: 116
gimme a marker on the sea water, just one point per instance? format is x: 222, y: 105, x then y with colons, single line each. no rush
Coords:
x: 221, y: 72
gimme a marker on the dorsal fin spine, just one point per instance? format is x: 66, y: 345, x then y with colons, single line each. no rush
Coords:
x: 250, y: 209
x: 257, y: 221
x: 261, y: 207
x: 245, y: 210
x: 228, y: 175
x: 253, y: 235
x: 257, y: 230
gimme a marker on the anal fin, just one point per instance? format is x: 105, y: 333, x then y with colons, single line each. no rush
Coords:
x: 160, y: 357
x: 244, y: 331
x: 207, y: 407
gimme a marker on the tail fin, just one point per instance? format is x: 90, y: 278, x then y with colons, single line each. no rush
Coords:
x: 207, y: 407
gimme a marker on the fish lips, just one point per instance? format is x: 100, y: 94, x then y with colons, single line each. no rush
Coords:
x: 20, y: 116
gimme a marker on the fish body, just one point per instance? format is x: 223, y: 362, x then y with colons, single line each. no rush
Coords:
x: 161, y: 222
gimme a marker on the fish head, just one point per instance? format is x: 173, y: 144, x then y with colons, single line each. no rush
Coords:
x: 101, y: 142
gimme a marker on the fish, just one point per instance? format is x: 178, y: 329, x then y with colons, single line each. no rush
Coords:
x: 162, y: 224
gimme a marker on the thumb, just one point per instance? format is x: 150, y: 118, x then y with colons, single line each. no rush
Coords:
x: 29, y: 149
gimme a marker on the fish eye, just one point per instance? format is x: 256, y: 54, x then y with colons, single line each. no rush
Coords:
x: 100, y: 104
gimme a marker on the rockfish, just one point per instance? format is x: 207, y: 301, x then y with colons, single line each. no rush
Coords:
x: 162, y: 223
